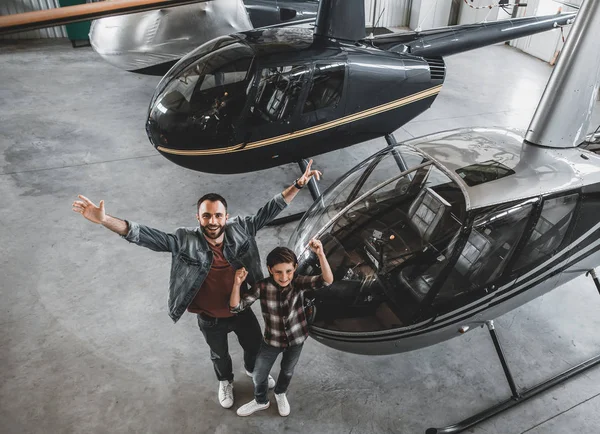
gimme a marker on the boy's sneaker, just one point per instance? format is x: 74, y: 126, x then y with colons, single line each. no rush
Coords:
x: 226, y: 394
x: 271, y: 379
x: 251, y: 407
x: 282, y: 404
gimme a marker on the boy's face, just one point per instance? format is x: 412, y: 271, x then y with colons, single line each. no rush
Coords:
x: 283, y: 273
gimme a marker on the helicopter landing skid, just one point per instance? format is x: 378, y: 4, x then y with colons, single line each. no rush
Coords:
x: 594, y: 278
x: 313, y: 187
x: 517, y: 397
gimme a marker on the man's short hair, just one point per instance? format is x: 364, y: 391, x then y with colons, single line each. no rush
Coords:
x: 281, y: 255
x: 212, y: 197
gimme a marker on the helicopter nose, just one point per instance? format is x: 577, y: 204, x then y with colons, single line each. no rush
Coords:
x: 183, y: 119
x: 198, y: 102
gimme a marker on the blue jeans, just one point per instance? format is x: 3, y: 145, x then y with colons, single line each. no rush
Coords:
x: 264, y: 362
x: 215, y: 331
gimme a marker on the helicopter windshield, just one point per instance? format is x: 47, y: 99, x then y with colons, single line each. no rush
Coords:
x: 202, y: 97
x: 384, y: 226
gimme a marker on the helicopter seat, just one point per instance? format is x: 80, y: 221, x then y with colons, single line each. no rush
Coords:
x: 419, y: 285
x: 466, y: 274
x: 545, y: 236
x: 427, y: 212
x: 470, y: 261
x: 275, y: 104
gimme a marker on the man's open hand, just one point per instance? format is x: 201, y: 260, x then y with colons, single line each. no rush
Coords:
x: 89, y: 210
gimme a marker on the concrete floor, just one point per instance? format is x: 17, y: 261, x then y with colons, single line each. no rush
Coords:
x: 86, y: 343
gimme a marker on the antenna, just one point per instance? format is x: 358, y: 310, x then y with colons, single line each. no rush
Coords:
x: 563, y: 116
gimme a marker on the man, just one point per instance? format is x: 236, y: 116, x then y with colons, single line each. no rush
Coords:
x: 203, y: 267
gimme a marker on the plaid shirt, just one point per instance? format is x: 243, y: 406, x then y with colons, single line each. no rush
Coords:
x: 282, y: 308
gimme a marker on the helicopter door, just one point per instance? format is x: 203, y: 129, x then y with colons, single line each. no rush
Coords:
x: 274, y: 102
x: 325, y: 97
x: 546, y: 247
x: 487, y: 250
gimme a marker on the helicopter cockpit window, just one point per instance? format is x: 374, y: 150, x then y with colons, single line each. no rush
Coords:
x: 380, y: 240
x: 488, y: 248
x: 326, y: 88
x: 549, y: 231
x: 278, y: 91
x: 486, y: 171
x: 192, y: 58
x: 203, y: 101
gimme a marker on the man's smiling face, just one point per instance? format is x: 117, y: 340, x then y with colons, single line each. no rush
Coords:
x: 212, y: 216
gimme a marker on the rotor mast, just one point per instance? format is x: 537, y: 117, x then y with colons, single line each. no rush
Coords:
x: 563, y: 116
x: 341, y: 19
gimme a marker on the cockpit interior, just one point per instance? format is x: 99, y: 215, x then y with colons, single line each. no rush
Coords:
x: 388, y: 232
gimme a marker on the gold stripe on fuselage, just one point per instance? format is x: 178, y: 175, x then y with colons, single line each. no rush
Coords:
x: 312, y: 130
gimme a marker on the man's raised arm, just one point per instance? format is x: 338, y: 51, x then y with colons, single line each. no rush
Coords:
x: 290, y: 193
x: 96, y: 214
x: 141, y: 235
x: 272, y: 208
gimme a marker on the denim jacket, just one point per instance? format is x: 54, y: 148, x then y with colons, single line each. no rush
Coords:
x: 191, y: 257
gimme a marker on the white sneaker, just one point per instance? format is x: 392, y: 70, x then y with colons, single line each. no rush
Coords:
x: 282, y: 404
x: 251, y: 407
x: 226, y: 394
x: 271, y: 379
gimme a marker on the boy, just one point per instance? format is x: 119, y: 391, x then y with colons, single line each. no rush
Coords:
x: 286, y: 329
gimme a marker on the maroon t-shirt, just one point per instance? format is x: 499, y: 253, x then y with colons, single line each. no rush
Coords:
x: 213, y: 297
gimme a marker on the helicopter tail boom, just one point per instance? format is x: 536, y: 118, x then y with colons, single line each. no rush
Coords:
x: 457, y: 39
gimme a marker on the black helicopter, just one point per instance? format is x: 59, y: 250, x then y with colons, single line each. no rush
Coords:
x: 263, y: 98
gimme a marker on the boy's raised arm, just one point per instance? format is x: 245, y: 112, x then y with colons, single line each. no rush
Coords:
x: 236, y: 302
x: 317, y: 247
x: 234, y: 299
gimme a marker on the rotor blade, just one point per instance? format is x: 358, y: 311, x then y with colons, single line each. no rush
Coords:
x: 287, y: 24
x: 457, y: 39
x: 72, y: 14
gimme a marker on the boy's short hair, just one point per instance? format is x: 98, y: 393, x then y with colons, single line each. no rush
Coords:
x: 212, y: 197
x: 281, y: 255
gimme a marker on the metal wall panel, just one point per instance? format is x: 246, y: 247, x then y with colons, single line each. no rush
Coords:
x: 384, y: 13
x: 387, y: 13
x: 9, y: 7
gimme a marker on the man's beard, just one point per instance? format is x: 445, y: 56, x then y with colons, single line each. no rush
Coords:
x: 212, y: 236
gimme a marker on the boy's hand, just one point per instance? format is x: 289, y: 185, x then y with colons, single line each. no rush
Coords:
x: 316, y: 246
x: 240, y: 276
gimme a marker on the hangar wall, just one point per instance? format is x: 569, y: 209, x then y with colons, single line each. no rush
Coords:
x: 388, y: 13
x: 9, y: 7
x: 545, y: 45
